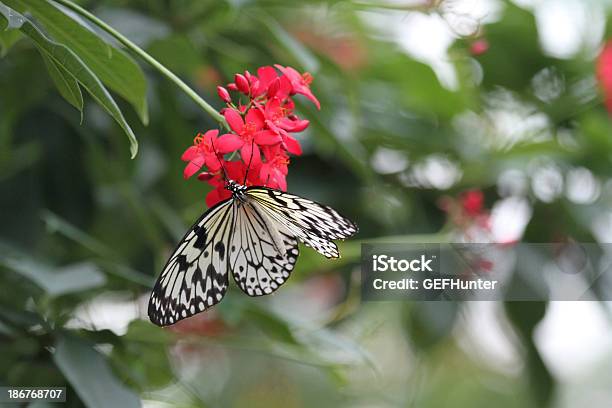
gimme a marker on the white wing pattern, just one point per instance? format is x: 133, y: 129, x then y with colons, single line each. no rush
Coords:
x: 254, y: 235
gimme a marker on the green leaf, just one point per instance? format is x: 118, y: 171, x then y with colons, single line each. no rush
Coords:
x: 54, y: 223
x: 8, y: 39
x: 76, y: 358
x: 54, y: 281
x: 8, y: 35
x: 67, y: 86
x: 114, y: 67
x: 271, y: 325
x: 71, y: 63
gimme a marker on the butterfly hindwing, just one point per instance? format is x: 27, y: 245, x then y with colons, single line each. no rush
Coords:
x: 262, y: 253
x: 196, y: 275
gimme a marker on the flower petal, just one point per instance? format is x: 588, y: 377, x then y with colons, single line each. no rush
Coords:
x: 228, y: 143
x: 190, y: 153
x: 285, y: 88
x: 291, y: 73
x: 250, y: 154
x: 282, y: 182
x: 212, y: 162
x: 216, y: 196
x: 293, y: 146
x: 264, y: 173
x: 294, y: 125
x: 256, y: 117
x: 267, y: 74
x: 273, y: 107
x: 234, y: 119
x: 209, y: 136
x: 267, y: 137
x: 193, y: 167
x: 304, y: 90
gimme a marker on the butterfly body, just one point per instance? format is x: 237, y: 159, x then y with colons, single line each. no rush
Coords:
x: 254, y: 236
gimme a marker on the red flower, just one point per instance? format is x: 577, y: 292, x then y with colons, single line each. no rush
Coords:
x: 206, y: 150
x: 604, y: 73
x: 279, y: 118
x: 280, y: 121
x: 300, y: 83
x: 274, y: 171
x: 472, y: 202
x: 249, y: 134
x: 235, y: 170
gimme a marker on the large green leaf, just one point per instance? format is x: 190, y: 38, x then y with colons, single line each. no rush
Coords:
x: 53, y: 280
x: 71, y: 63
x: 115, y: 68
x: 67, y: 86
x: 90, y: 375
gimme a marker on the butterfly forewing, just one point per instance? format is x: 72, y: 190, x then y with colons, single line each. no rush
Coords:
x: 195, y: 277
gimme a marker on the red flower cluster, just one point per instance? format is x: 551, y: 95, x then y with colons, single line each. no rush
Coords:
x: 261, y: 123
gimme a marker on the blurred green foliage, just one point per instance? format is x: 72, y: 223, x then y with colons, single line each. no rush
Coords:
x: 85, y: 229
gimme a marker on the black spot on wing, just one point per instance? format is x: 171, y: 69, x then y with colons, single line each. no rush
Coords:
x: 220, y: 248
x: 201, y: 236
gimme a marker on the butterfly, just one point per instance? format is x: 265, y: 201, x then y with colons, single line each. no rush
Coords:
x: 254, y: 236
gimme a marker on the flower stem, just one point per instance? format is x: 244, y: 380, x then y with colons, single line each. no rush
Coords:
x: 145, y: 56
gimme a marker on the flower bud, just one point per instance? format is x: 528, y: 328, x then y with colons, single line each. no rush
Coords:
x: 242, y: 84
x: 223, y: 94
x: 232, y: 87
x: 205, y: 176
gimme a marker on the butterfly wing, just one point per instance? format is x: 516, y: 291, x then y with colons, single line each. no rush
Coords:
x: 262, y: 252
x: 314, y: 224
x: 195, y: 277
x: 256, y: 238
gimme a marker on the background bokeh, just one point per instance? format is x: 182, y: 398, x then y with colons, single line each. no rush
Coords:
x: 421, y: 101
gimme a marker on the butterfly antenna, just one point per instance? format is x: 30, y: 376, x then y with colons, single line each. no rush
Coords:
x: 220, y: 162
x: 246, y: 173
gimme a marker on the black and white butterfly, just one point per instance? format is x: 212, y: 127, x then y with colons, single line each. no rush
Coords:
x: 254, y: 236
